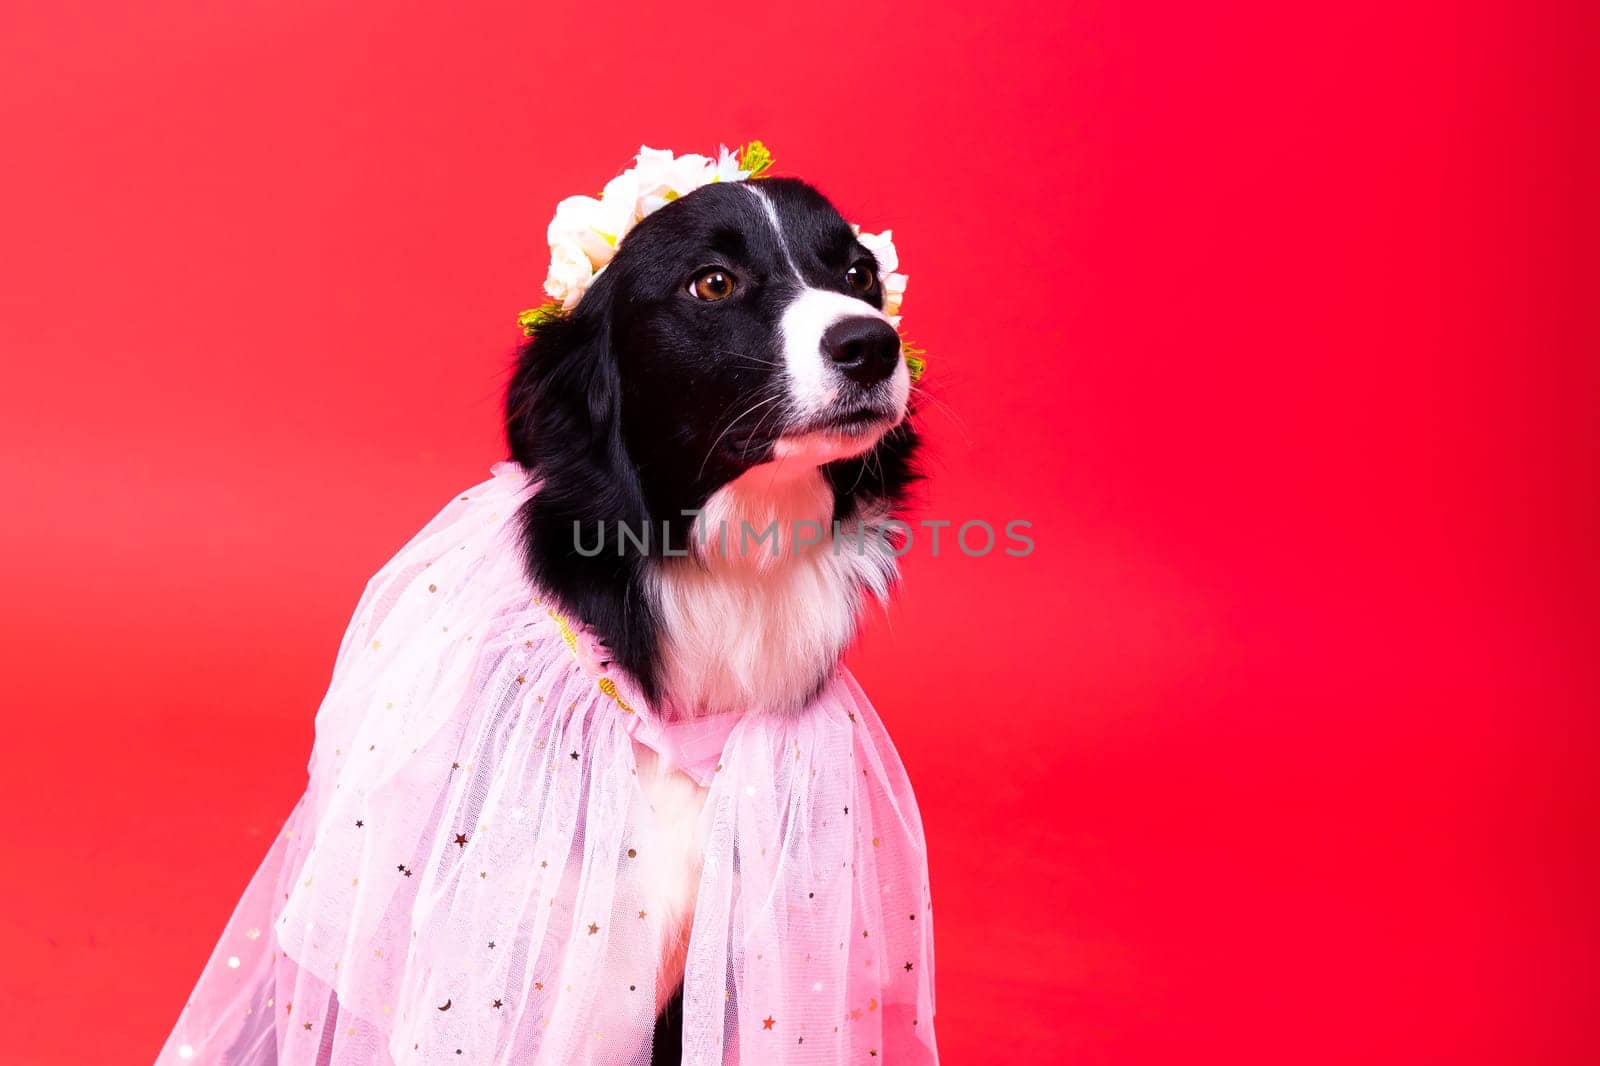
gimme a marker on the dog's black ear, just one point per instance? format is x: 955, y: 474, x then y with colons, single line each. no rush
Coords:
x: 563, y: 425
x: 563, y: 400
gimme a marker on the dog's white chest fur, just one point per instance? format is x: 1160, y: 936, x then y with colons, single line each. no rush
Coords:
x: 759, y: 612
x: 749, y: 626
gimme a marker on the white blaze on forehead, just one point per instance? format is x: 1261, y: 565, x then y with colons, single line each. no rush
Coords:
x: 814, y: 383
x: 777, y: 226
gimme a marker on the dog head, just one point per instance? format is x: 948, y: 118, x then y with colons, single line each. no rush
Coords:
x: 739, y: 327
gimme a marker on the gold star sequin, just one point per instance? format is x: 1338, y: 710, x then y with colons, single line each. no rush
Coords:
x: 641, y: 915
x: 593, y: 929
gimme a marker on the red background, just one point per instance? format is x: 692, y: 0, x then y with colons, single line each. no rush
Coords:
x: 1275, y: 325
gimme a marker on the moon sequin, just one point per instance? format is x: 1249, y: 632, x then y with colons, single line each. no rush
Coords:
x: 447, y: 1004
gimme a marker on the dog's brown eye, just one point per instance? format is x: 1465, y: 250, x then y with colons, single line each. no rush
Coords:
x: 861, y: 277
x: 713, y: 285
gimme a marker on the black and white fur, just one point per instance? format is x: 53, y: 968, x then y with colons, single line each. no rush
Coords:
x: 653, y: 408
x: 647, y: 404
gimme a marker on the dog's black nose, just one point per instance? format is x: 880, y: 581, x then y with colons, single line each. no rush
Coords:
x: 866, y: 349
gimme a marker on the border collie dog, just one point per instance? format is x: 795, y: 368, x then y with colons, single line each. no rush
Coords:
x: 730, y: 374
x: 589, y: 784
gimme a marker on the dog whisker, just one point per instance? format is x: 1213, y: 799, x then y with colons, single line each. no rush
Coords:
x: 861, y: 472
x: 728, y: 428
x: 746, y: 356
x: 745, y: 451
x: 923, y: 394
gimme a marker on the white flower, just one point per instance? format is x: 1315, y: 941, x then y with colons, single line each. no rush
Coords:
x: 577, y: 227
x: 663, y: 177
x: 619, y: 210
x: 881, y: 245
x: 585, y: 233
x: 651, y: 163
x: 728, y: 167
x: 570, y: 275
x: 650, y: 171
x: 689, y: 172
x: 894, y: 291
x: 584, y: 236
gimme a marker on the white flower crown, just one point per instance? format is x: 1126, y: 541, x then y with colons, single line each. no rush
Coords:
x: 586, y: 231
